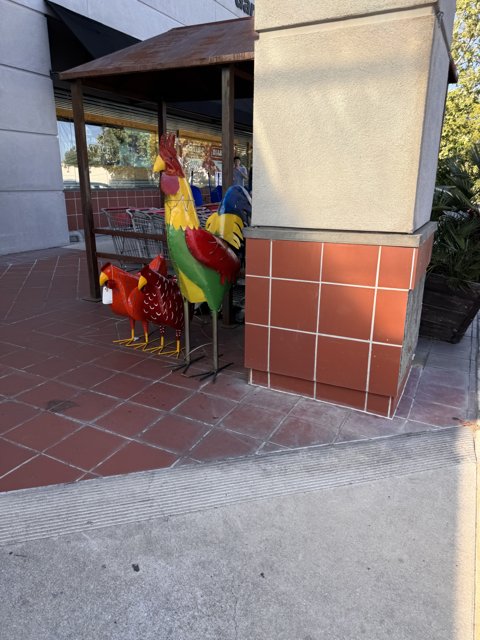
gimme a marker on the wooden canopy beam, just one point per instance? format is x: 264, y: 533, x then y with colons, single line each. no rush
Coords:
x: 85, y: 190
x: 228, y: 120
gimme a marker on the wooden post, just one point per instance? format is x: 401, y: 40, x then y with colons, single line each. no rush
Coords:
x: 228, y: 121
x: 162, y: 128
x: 85, y: 193
x: 228, y: 101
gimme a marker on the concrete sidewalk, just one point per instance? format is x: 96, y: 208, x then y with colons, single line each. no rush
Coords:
x: 370, y: 540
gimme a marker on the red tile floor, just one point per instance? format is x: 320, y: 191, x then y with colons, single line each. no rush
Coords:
x: 75, y: 406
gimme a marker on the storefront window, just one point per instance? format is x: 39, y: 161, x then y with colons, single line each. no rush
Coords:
x: 119, y: 157
x: 123, y: 157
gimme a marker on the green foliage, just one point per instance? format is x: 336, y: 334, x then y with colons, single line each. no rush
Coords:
x: 456, y: 249
x: 461, y: 127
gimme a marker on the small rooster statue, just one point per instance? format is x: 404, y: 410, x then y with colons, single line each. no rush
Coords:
x: 126, y: 298
x: 205, y: 266
x: 162, y: 305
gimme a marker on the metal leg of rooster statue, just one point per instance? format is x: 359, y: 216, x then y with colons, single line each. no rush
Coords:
x: 205, y: 265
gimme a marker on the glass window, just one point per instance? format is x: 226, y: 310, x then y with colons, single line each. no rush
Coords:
x: 119, y: 157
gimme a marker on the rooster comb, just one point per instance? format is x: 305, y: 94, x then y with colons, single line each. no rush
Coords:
x: 168, y: 154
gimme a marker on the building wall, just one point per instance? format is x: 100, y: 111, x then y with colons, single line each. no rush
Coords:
x: 366, y: 95
x: 32, y: 203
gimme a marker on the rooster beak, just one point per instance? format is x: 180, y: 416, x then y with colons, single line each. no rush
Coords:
x: 159, y: 165
x: 103, y: 279
x: 141, y: 283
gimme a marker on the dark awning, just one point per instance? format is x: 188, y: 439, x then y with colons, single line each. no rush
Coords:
x: 98, y: 39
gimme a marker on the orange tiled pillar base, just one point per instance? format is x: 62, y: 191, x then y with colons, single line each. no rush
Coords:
x: 335, y: 321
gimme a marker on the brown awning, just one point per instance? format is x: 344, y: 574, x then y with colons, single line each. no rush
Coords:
x: 179, y: 65
x: 193, y: 46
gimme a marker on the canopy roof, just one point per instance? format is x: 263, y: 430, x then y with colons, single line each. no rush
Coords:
x: 181, y: 64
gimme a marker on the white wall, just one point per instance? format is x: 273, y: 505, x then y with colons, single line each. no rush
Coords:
x: 358, y: 106
x: 32, y: 206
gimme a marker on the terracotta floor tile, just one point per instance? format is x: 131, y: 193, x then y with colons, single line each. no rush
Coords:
x: 23, y: 358
x: 448, y: 362
x: 276, y: 400
x: 403, y: 407
x: 48, y: 395
x: 39, y: 472
x: 120, y: 360
x: 175, y: 433
x: 436, y: 414
x: 370, y: 426
x: 219, y: 445
x: 440, y: 394
x: 152, y: 368
x: 161, y: 396
x: 11, y: 455
x: 6, y: 347
x: 14, y: 383
x: 457, y: 379
x: 122, y: 385
x: 129, y: 419
x: 88, y: 406
x: 233, y: 388
x: 253, y: 421
x: 297, y: 432
x: 135, y: 457
x: 209, y: 409
x: 42, y: 431
x: 13, y: 414
x: 53, y: 366
x: 85, y: 376
x: 320, y: 412
x: 86, y: 448
x: 185, y: 381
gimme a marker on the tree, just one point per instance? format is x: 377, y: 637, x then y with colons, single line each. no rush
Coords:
x: 461, y: 127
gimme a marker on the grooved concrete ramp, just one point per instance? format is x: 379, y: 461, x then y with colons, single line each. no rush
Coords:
x: 370, y: 540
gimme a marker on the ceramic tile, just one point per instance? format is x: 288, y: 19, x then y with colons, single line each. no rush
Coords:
x: 42, y: 431
x: 257, y: 292
x: 13, y: 414
x: 256, y: 347
x: 220, y: 445
x: 395, y: 267
x: 390, y: 315
x: 205, y: 408
x: 294, y: 305
x: 340, y: 395
x: 292, y: 353
x: 257, y: 257
x: 380, y: 405
x: 350, y: 264
x: 346, y: 311
x: 296, y: 260
x: 12, y: 455
x: 175, y: 433
x: 86, y: 448
x: 39, y: 472
x: 135, y: 457
x: 292, y: 385
x: 129, y: 419
x: 384, y: 370
x: 253, y: 421
x: 342, y: 363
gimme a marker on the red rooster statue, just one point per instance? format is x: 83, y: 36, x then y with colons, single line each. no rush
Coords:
x: 204, y: 264
x: 126, y: 298
x: 162, y: 305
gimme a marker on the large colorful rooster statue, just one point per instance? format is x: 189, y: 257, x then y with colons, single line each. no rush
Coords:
x: 205, y: 266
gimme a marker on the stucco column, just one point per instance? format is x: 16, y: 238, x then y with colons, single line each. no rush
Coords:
x: 348, y: 109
